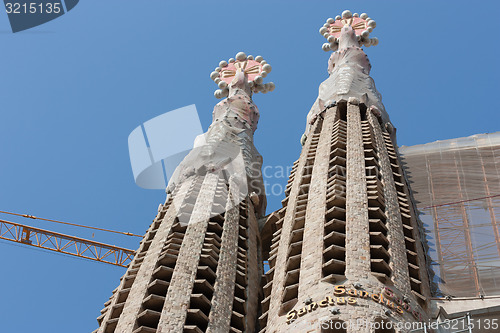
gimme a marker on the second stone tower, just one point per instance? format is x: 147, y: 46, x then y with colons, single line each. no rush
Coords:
x: 345, y: 251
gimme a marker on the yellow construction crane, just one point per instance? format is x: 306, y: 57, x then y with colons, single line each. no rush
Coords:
x: 66, y: 244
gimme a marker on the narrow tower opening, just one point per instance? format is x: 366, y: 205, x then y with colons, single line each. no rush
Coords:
x: 342, y: 106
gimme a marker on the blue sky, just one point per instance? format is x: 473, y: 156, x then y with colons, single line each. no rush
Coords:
x: 73, y: 89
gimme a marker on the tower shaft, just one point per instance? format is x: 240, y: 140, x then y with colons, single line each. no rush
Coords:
x: 345, y: 249
x: 198, y: 267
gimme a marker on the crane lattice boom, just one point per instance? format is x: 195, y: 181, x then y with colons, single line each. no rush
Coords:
x: 66, y: 244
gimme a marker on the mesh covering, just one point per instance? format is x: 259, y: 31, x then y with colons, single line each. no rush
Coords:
x: 456, y: 185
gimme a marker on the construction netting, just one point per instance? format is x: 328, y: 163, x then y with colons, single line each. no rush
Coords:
x: 456, y: 185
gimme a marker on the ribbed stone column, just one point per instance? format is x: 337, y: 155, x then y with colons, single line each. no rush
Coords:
x: 276, y: 312
x: 312, y: 248
x: 135, y: 298
x: 423, y: 273
x: 254, y: 270
x: 395, y: 235
x: 222, y: 305
x: 173, y: 315
x: 357, y: 223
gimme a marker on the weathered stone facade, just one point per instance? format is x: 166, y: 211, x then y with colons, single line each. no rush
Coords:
x: 356, y: 231
x: 198, y: 268
x: 345, y: 248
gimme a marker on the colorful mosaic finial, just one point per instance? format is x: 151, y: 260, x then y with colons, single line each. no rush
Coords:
x: 254, y: 69
x: 361, y: 24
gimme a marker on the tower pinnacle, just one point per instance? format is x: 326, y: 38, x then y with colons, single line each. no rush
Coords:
x: 362, y: 26
x: 349, y: 68
x: 244, y: 72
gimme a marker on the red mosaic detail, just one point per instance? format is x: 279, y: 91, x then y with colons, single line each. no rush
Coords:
x: 358, y: 24
x: 251, y: 68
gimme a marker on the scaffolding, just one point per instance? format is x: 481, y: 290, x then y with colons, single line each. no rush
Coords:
x: 456, y: 185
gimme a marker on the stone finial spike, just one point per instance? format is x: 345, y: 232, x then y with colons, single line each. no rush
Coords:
x: 362, y: 25
x: 240, y: 68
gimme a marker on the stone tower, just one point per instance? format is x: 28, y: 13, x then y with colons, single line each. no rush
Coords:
x: 197, y: 268
x: 345, y: 251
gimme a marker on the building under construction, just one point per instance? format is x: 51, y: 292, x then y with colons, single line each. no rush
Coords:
x: 456, y: 184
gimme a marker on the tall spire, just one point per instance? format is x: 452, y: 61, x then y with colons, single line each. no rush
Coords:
x: 344, y: 250
x: 198, y: 269
x: 234, y: 120
x: 348, y: 67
